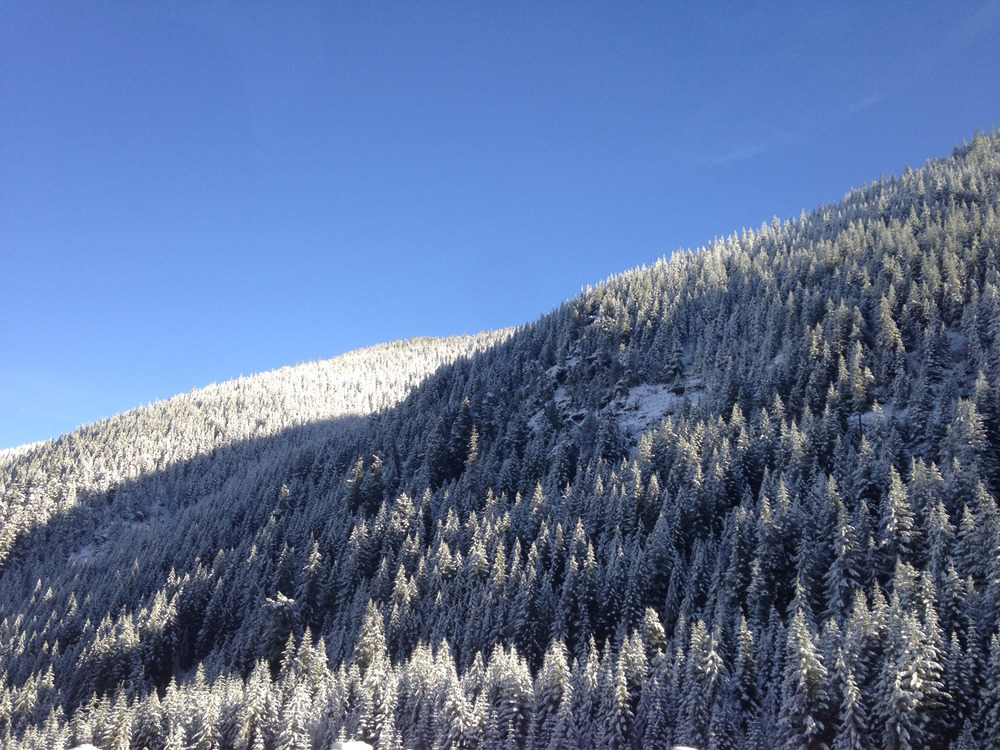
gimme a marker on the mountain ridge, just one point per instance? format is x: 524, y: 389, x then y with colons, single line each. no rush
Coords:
x: 736, y: 499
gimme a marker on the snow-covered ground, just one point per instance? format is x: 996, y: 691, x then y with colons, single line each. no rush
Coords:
x: 646, y: 405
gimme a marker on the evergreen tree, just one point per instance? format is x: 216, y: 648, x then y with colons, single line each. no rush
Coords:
x: 910, y: 689
x: 294, y: 722
x: 898, y: 534
x: 552, y: 686
x: 853, y: 729
x: 804, y: 718
x: 704, y: 673
x: 614, y: 716
x: 843, y: 576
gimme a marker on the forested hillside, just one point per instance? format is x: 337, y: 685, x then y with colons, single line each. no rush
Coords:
x: 48, y: 479
x: 744, y: 498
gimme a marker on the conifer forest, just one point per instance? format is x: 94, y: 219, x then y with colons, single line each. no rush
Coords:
x: 744, y: 498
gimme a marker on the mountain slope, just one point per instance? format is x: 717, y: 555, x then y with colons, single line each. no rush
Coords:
x: 742, y: 498
x: 46, y: 479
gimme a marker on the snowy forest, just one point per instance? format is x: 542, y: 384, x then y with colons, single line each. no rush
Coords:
x: 744, y: 498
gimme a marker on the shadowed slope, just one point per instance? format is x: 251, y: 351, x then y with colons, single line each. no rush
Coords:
x: 47, y: 478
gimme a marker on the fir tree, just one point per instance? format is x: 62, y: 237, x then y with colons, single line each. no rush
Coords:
x: 804, y: 718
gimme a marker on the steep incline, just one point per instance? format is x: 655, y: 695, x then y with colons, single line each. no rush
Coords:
x: 742, y: 498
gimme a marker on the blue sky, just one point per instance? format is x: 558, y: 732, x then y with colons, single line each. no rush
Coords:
x: 194, y: 191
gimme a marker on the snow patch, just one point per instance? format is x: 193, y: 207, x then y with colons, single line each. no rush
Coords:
x: 880, y: 415
x: 958, y: 344
x: 110, y: 530
x: 869, y: 418
x: 646, y: 405
x: 82, y: 555
x: 562, y: 397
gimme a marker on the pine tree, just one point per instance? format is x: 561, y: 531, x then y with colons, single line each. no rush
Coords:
x: 940, y: 539
x: 989, y: 700
x: 117, y: 732
x: 455, y: 719
x: 552, y: 686
x: 651, y: 714
x: 704, y: 673
x: 294, y: 722
x: 911, y: 693
x: 371, y: 647
x: 966, y: 441
x: 853, y: 729
x: 843, y: 576
x: 804, y: 718
x: 584, y: 682
x: 614, y: 716
x: 898, y: 534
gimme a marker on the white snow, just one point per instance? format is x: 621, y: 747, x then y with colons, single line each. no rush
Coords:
x: 84, y: 554
x: 20, y: 450
x: 883, y: 414
x: 562, y: 397
x: 646, y: 406
x: 957, y: 342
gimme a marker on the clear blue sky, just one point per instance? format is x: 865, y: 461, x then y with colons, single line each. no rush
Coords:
x: 194, y: 190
